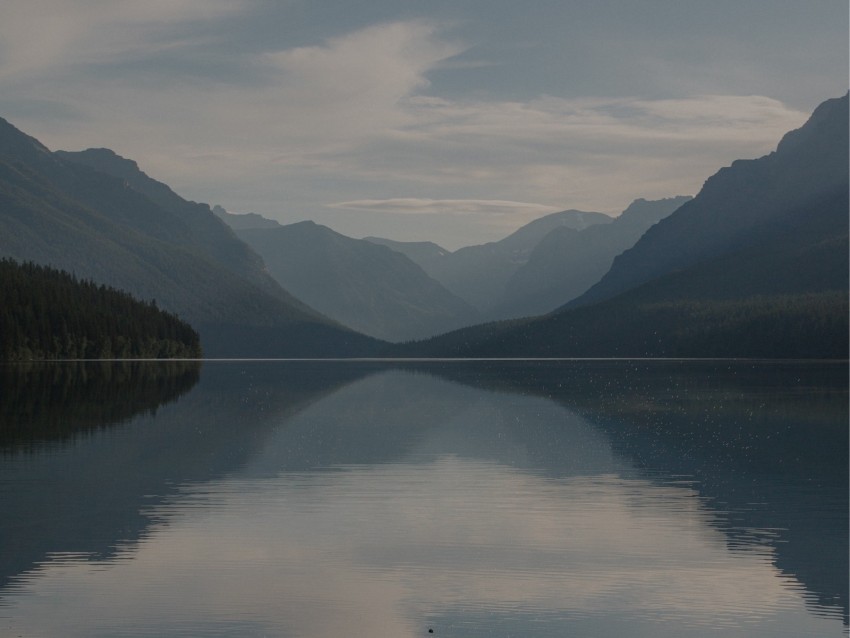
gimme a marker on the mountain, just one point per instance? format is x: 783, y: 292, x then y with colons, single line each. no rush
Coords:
x: 371, y: 288
x: 568, y: 261
x: 426, y: 254
x: 770, y: 278
x: 809, y: 163
x: 196, y: 226
x: 98, y: 216
x: 238, y: 221
x: 478, y: 274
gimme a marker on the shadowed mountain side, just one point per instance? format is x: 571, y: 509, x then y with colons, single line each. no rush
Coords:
x: 478, y: 274
x: 66, y: 214
x: 74, y: 431
x: 784, y: 295
x: 808, y: 164
x: 809, y: 326
x: 567, y: 261
x: 776, y: 288
x: 368, y: 287
x: 203, y: 231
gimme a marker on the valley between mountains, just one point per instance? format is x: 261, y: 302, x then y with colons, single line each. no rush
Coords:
x: 753, y: 265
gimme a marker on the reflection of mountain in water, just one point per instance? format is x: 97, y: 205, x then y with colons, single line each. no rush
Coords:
x: 737, y: 434
x: 766, y: 446
x: 416, y: 417
x: 88, y: 494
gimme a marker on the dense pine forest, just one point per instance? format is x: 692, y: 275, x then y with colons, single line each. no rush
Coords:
x: 50, y: 314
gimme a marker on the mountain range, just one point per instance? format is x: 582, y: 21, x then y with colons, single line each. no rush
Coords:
x: 568, y: 261
x: 98, y: 216
x: 478, y: 274
x: 808, y: 168
x: 368, y: 287
x: 755, y: 265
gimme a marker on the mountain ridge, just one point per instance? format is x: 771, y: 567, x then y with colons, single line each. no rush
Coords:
x: 566, y: 262
x: 774, y: 285
x: 477, y: 274
x: 63, y: 213
x: 369, y: 287
x: 807, y: 162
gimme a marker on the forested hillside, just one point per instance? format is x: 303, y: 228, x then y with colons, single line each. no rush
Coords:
x: 50, y: 314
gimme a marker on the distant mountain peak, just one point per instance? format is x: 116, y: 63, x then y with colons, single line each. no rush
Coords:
x: 642, y: 209
x: 101, y: 155
x: 820, y: 123
x: 641, y: 202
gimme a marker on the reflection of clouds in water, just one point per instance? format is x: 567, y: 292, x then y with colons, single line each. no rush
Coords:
x: 374, y: 551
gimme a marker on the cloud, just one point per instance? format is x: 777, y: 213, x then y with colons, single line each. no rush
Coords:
x: 412, y: 205
x: 46, y: 36
x: 352, y: 121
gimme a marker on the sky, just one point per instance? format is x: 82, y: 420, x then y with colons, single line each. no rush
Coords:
x: 449, y: 121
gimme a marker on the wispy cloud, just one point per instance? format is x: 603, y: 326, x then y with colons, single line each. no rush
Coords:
x: 45, y: 36
x: 412, y: 205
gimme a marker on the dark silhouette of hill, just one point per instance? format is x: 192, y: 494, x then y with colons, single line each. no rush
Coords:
x: 567, y: 261
x: 368, y: 287
x: 96, y: 215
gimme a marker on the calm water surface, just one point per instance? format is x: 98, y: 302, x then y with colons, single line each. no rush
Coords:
x: 468, y: 498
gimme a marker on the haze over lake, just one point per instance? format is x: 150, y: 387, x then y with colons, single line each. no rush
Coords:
x: 539, y: 498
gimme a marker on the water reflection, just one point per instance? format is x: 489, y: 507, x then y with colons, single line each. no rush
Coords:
x: 42, y: 402
x: 766, y: 445
x: 322, y: 500
x: 63, y: 493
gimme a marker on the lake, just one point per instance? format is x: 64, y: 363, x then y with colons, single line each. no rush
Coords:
x: 445, y: 498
